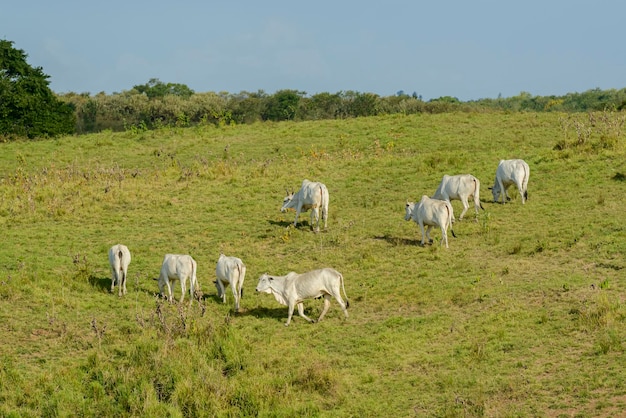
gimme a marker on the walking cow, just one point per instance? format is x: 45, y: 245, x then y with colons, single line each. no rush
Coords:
x: 460, y: 187
x: 230, y: 271
x: 119, y: 259
x: 178, y: 267
x: 431, y: 212
x: 294, y: 288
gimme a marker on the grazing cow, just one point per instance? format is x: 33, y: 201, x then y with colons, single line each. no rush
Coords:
x: 431, y: 212
x: 294, y: 288
x: 178, y: 267
x: 119, y: 259
x: 312, y: 195
x: 460, y: 187
x: 511, y: 172
x: 230, y: 270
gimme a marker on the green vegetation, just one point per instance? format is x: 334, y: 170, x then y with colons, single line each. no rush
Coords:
x: 28, y: 108
x: 524, y: 314
x: 157, y: 104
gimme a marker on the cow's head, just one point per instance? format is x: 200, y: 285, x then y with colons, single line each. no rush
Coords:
x: 408, y: 210
x: 219, y: 289
x: 287, y: 200
x: 265, y: 283
x: 160, y: 283
x: 495, y: 191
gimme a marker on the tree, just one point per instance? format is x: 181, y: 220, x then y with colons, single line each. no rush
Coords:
x: 28, y: 107
x: 156, y: 88
x: 361, y: 104
x: 283, y: 105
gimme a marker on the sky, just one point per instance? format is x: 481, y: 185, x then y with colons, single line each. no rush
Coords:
x: 469, y: 49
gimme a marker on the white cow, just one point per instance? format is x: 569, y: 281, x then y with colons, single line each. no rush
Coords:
x: 230, y: 271
x: 294, y: 288
x: 460, y: 187
x: 431, y: 212
x: 119, y: 259
x: 511, y: 172
x: 178, y: 267
x: 312, y: 195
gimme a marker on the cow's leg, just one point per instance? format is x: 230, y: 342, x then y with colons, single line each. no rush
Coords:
x: 113, y: 280
x: 315, y: 219
x: 326, y: 306
x: 428, y: 228
x: 290, y: 307
x: 520, y: 188
x: 183, y: 288
x: 192, y: 290
x: 298, y: 210
x: 503, y: 194
x: 123, y: 288
x: 301, y: 312
x: 344, y: 306
x: 221, y: 290
x: 235, y: 295
x: 169, y: 291
x: 421, y: 225
x: 465, y: 208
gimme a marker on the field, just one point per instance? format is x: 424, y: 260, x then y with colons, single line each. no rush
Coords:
x: 524, y: 314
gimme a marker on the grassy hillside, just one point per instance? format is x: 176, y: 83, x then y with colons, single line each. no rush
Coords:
x: 524, y: 314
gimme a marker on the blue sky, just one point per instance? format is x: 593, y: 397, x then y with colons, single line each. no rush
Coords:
x: 469, y: 49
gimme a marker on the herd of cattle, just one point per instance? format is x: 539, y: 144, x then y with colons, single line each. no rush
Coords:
x: 292, y: 289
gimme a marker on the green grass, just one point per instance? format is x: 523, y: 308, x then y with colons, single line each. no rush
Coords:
x: 524, y: 314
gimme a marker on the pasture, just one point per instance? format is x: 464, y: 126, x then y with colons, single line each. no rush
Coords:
x: 524, y: 314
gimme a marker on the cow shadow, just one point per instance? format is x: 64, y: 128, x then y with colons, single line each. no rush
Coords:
x: 397, y: 241
x: 210, y: 298
x: 283, y: 224
x: 260, y: 312
x: 101, y: 283
x: 303, y: 224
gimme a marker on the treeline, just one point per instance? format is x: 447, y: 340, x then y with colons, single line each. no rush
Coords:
x: 158, y: 104
x: 29, y: 108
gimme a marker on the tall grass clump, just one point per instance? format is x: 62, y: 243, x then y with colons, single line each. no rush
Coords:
x: 594, y: 130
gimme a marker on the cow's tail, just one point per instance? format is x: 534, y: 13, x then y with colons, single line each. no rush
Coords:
x: 525, y: 182
x: 344, y: 290
x: 194, y: 280
x: 449, y: 209
x: 477, y: 201
x: 241, y: 271
x: 322, y: 210
x: 323, y: 204
x: 122, y: 273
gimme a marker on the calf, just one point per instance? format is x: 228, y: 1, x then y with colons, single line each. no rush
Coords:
x: 230, y: 270
x: 178, y: 267
x: 431, y: 212
x: 294, y: 288
x: 119, y: 259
